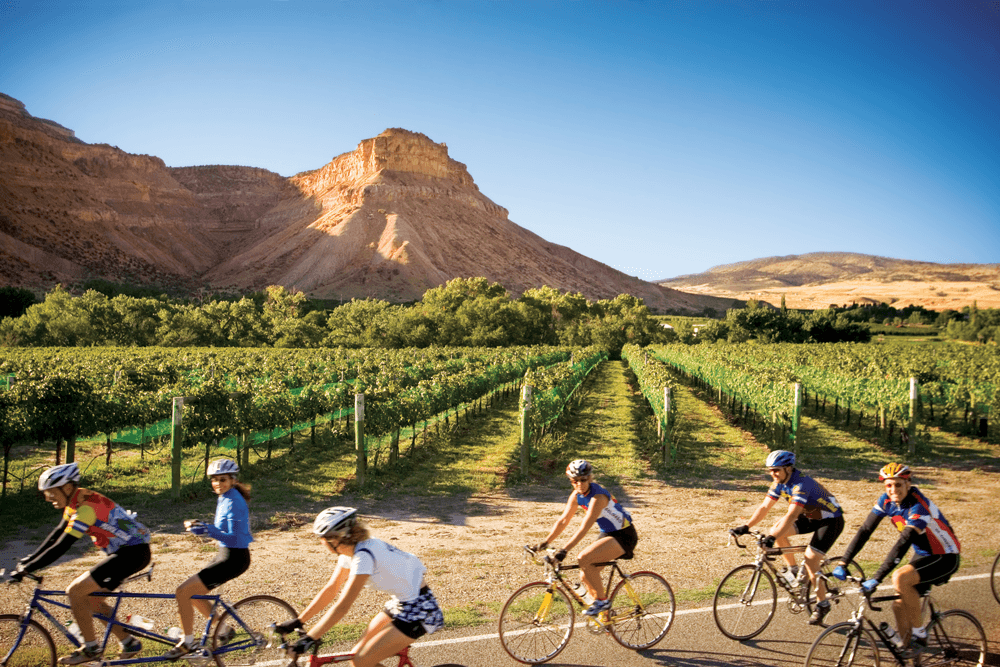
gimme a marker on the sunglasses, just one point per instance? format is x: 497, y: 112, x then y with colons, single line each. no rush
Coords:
x: 579, y: 479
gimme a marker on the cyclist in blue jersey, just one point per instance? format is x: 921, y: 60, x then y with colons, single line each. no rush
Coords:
x: 617, y: 539
x: 232, y: 531
x: 936, y: 550
x: 811, y: 509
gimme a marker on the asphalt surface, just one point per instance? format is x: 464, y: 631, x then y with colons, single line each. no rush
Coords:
x: 694, y: 640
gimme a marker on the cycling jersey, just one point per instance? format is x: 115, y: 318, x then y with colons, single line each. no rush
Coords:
x: 935, y: 535
x: 232, y: 521
x: 614, y: 517
x: 805, y: 491
x: 105, y: 521
x: 391, y: 570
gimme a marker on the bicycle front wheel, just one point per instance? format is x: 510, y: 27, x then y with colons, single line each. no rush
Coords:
x: 35, y: 649
x: 642, y: 610
x: 843, y: 645
x: 995, y: 578
x: 536, y: 623
x: 954, y: 637
x: 242, y: 637
x: 744, y: 602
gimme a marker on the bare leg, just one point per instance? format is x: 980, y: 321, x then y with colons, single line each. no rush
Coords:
x: 907, y: 607
x: 381, y: 640
x: 83, y: 606
x: 782, y: 541
x: 186, y: 606
x: 812, y: 562
x: 601, y: 551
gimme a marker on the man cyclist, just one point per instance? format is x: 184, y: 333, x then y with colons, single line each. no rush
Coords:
x: 936, y: 550
x: 115, y: 531
x: 811, y: 509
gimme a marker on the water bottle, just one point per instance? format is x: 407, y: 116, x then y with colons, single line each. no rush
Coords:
x: 175, y: 633
x: 583, y: 593
x: 891, y: 634
x: 140, y: 621
x: 789, y: 574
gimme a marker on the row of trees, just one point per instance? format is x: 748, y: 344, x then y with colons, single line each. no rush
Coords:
x: 463, y: 312
x: 767, y: 325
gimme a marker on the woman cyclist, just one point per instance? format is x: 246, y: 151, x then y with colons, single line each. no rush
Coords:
x: 114, y: 531
x: 232, y: 531
x: 363, y: 561
x: 617, y: 539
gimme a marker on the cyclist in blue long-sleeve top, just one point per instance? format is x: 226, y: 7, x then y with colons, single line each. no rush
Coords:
x: 232, y: 531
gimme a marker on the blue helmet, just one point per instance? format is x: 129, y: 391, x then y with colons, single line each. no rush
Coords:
x: 780, y: 458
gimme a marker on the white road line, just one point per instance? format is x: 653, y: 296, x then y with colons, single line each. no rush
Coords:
x: 682, y: 612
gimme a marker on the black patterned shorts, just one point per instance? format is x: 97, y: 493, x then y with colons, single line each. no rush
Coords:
x: 418, y: 617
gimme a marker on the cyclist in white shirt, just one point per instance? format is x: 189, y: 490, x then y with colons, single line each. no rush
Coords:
x: 363, y: 561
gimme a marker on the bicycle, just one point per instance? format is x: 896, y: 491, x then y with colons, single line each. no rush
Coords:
x: 995, y: 578
x: 954, y: 637
x: 316, y: 660
x: 746, y: 598
x: 239, y: 637
x: 537, y: 621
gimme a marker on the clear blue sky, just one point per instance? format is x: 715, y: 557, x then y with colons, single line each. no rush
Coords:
x: 661, y: 138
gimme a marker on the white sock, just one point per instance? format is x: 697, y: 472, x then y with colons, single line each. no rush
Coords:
x: 188, y: 640
x: 92, y: 644
x: 919, y: 632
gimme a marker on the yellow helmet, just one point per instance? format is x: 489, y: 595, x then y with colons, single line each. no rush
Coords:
x: 894, y: 470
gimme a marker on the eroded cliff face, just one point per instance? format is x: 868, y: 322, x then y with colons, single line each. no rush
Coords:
x: 390, y: 219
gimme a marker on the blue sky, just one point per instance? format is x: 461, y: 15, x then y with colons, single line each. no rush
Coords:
x: 661, y: 138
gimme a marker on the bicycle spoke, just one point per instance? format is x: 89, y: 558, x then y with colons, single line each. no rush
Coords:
x: 35, y: 649
x: 954, y: 637
x: 744, y: 602
x: 642, y: 610
x: 843, y: 645
x: 245, y: 638
x: 536, y: 623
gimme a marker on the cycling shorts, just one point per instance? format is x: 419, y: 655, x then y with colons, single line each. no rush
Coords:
x: 934, y: 570
x: 627, y: 538
x: 119, y: 566
x: 825, y: 531
x: 228, y: 564
x: 418, y: 617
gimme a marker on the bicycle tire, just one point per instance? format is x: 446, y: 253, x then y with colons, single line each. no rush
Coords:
x: 841, y: 607
x: 744, y: 602
x: 642, y: 621
x: 954, y: 637
x: 260, y: 645
x: 844, y: 645
x: 995, y: 578
x: 36, y: 648
x: 530, y: 639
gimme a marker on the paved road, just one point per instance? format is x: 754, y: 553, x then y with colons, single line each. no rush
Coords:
x: 694, y: 641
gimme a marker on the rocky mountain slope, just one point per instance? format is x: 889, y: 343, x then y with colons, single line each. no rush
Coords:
x: 388, y: 220
x: 816, y: 280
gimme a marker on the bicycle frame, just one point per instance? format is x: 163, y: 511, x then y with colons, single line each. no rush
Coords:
x: 764, y: 559
x: 44, y: 599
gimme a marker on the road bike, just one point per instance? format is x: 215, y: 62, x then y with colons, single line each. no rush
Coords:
x: 995, y: 578
x: 537, y: 621
x: 954, y: 637
x: 240, y: 637
x: 316, y: 660
x: 747, y: 597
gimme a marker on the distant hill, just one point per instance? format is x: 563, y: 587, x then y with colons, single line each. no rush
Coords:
x: 819, y: 279
x: 389, y: 220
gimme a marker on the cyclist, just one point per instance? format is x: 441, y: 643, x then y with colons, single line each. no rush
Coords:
x: 363, y: 561
x: 936, y: 550
x: 232, y: 531
x: 114, y: 530
x: 617, y: 539
x: 811, y: 509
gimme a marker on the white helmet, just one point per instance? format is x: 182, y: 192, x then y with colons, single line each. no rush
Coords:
x: 222, y: 467
x: 579, y: 468
x: 59, y: 475
x: 335, y: 521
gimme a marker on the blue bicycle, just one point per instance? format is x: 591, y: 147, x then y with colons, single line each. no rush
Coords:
x: 240, y: 637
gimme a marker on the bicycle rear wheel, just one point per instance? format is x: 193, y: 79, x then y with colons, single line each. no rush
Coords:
x: 642, y: 610
x: 536, y: 623
x: 744, y: 602
x: 36, y: 648
x: 995, y: 578
x: 841, y: 606
x: 244, y: 639
x: 954, y: 637
x: 843, y: 645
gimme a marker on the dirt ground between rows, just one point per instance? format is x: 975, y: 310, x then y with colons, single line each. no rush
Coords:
x: 472, y: 546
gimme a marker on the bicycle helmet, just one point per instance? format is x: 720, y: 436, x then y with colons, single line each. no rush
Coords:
x: 579, y: 468
x: 780, y: 458
x: 222, y: 467
x: 894, y: 471
x: 59, y: 475
x: 335, y: 521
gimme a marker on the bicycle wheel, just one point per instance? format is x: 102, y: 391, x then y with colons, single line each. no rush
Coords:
x: 642, y: 610
x: 843, y: 645
x: 536, y: 623
x: 995, y: 578
x: 841, y: 606
x: 243, y: 637
x: 36, y: 648
x: 744, y: 602
x: 954, y: 637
